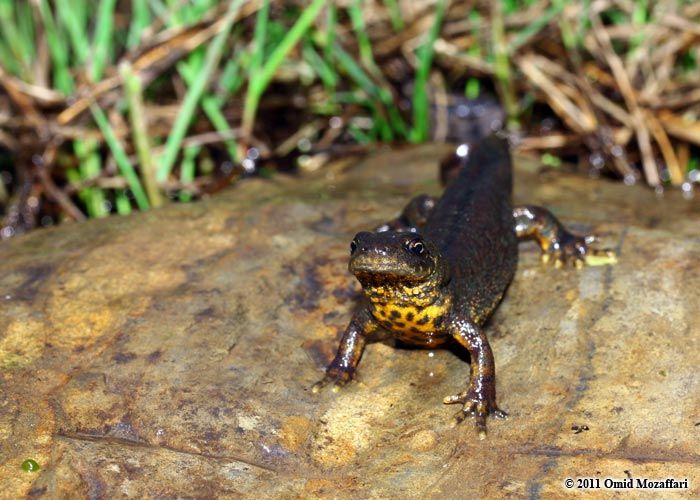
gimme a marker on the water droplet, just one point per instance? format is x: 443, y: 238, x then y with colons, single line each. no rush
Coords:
x: 7, y: 232
x: 596, y: 159
x: 629, y: 179
x: 463, y: 111
x: 248, y: 165
x: 335, y: 122
x: 462, y: 150
x: 253, y: 153
x: 616, y: 151
x: 304, y: 161
x: 687, y: 189
x: 547, y: 124
x: 37, y: 160
x: 659, y: 190
x: 496, y: 125
x: 304, y: 145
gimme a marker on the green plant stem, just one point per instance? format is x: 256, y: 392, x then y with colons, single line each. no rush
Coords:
x: 126, y: 169
x: 77, y: 32
x: 260, y: 81
x: 139, y: 133
x: 395, y: 15
x: 419, y: 132
x: 187, y: 170
x: 502, y: 66
x: 63, y: 80
x: 259, y: 37
x: 184, y: 117
x: 102, y: 41
x: 140, y: 19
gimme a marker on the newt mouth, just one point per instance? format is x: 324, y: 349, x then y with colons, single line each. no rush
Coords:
x: 383, y: 270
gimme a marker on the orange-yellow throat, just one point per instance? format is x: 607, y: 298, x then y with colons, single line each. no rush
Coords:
x: 409, y: 318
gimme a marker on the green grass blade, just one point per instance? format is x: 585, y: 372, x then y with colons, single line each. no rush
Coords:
x: 329, y: 35
x: 122, y: 203
x: 231, y: 79
x: 126, y: 169
x: 347, y: 63
x: 187, y: 170
x: 140, y: 19
x: 363, y: 43
x: 325, y: 72
x: 63, y: 80
x: 90, y: 167
x: 419, y: 132
x: 473, y: 88
x: 259, y: 38
x: 394, y: 14
x: 139, y: 132
x: 194, y: 94
x: 502, y: 67
x: 102, y: 41
x: 14, y: 41
x: 529, y: 31
x: 257, y: 86
x: 77, y: 33
x: 211, y: 105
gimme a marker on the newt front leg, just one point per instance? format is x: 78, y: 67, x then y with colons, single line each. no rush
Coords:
x: 479, y: 399
x: 342, y: 368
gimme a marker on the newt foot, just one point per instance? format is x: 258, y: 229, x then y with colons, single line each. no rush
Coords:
x: 569, y: 249
x: 476, y: 407
x: 336, y: 378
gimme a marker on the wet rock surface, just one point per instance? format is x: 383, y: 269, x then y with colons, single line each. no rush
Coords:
x: 171, y: 353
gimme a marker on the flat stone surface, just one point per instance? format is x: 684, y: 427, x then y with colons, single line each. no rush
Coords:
x: 171, y: 353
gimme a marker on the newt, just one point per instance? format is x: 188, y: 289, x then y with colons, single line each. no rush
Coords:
x: 435, y: 274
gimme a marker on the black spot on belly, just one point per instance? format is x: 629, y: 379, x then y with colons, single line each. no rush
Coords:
x: 400, y: 324
x: 409, y: 316
x: 387, y: 324
x: 395, y: 314
x: 425, y: 319
x: 439, y: 321
x: 415, y: 330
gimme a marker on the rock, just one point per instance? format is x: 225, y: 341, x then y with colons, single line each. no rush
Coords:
x: 171, y: 353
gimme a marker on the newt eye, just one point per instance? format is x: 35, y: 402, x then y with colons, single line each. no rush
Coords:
x: 353, y: 246
x: 416, y: 246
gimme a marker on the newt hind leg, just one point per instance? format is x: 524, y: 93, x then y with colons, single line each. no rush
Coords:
x: 555, y: 241
x: 413, y: 217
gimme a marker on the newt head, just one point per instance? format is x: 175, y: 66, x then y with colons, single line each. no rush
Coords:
x: 392, y: 257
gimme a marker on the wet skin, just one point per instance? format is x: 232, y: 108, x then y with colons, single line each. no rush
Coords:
x: 436, y: 273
